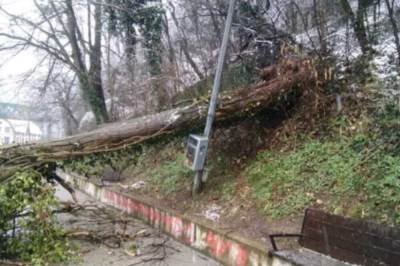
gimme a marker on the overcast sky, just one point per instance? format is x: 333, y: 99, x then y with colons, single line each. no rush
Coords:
x: 13, y: 67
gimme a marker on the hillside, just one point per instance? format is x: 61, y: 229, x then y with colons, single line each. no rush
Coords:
x: 264, y: 170
x: 335, y: 149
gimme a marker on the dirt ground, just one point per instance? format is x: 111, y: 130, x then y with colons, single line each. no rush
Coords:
x: 115, y: 239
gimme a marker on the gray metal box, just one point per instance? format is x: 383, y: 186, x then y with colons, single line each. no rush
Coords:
x: 196, y: 151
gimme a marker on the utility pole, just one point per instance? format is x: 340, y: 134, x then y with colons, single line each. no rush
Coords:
x: 197, y: 182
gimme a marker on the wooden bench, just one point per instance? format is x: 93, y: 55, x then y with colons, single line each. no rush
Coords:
x: 347, y: 240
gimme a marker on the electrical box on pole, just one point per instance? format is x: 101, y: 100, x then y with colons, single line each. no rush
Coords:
x: 196, y: 151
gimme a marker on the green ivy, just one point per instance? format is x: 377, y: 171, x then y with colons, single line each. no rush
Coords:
x: 384, y: 189
x: 287, y: 182
x: 125, y: 15
x: 95, y: 165
x: 344, y: 175
x: 171, y: 174
x: 151, y: 25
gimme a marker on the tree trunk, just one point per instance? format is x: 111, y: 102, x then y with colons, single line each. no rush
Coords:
x: 151, y: 28
x: 395, y: 28
x: 214, y: 20
x: 97, y: 99
x: 320, y: 19
x: 291, y: 77
x: 171, y: 56
x: 358, y: 23
x: 89, y: 80
x: 185, y: 45
x: 130, y: 48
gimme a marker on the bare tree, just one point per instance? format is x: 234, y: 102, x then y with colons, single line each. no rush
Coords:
x: 320, y: 19
x: 57, y: 33
x: 66, y: 99
x: 184, y: 43
x: 56, y: 94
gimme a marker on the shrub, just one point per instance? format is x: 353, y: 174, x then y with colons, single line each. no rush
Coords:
x: 28, y: 230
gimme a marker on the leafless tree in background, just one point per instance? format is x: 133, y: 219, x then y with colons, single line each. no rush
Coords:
x: 112, y: 71
x: 58, y: 33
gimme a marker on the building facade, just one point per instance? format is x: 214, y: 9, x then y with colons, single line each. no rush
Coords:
x: 14, y: 131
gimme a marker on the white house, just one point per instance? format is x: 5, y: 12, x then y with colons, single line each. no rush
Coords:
x: 18, y: 131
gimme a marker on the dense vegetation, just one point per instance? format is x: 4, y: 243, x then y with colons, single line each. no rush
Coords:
x: 28, y: 229
x: 347, y: 175
x: 347, y: 163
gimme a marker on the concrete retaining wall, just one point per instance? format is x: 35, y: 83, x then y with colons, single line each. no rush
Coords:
x: 225, y: 247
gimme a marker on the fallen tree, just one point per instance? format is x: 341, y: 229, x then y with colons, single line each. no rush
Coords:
x: 26, y: 167
x: 290, y: 76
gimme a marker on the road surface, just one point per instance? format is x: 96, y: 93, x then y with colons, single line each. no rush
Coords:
x: 136, y: 244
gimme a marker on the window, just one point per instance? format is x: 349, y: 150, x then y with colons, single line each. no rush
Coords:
x: 7, y: 129
x: 6, y: 140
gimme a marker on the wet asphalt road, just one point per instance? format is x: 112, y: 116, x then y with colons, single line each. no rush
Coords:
x: 140, y: 245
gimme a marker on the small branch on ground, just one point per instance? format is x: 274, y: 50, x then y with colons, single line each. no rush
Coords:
x: 65, y: 185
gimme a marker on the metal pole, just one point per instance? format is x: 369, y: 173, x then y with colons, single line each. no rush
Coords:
x: 220, y: 68
x: 216, y: 87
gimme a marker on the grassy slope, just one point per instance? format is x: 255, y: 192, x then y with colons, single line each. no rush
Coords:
x: 329, y: 174
x: 346, y: 163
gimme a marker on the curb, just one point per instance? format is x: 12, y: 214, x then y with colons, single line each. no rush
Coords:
x: 224, y: 246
